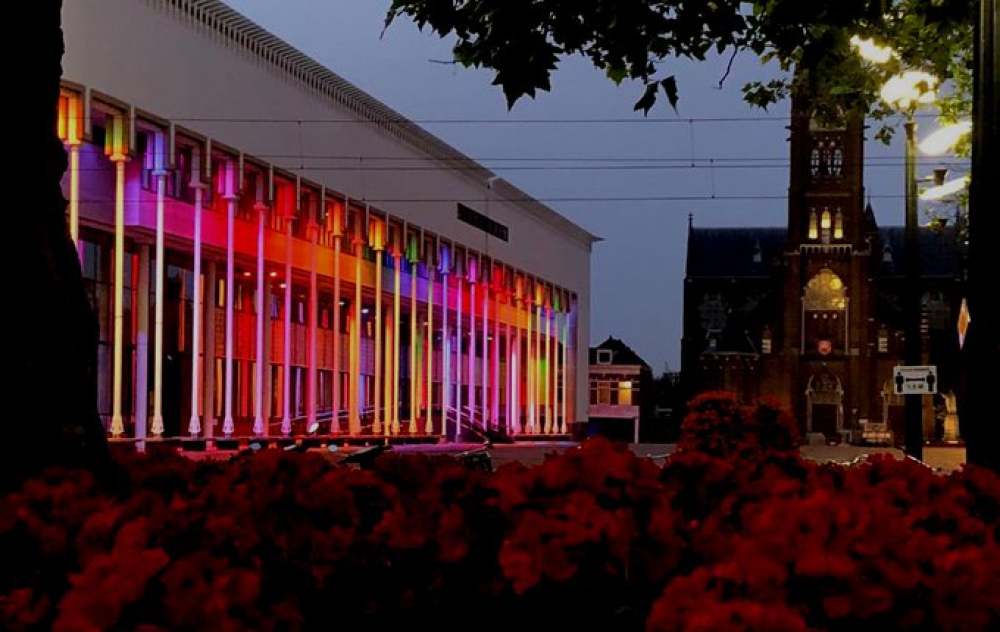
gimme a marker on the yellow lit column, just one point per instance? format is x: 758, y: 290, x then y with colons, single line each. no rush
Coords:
x: 71, y: 133
x: 263, y: 317
x: 160, y: 173
x: 230, y: 197
x: 194, y: 424
x: 116, y: 147
x: 396, y: 317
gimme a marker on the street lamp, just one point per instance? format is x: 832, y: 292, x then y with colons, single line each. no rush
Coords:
x: 906, y: 92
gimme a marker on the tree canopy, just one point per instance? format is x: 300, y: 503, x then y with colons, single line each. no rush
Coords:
x: 523, y: 41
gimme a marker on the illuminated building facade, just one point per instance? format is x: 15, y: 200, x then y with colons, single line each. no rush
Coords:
x: 811, y: 313
x: 272, y: 252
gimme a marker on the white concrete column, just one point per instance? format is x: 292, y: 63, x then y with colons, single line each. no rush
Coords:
x: 197, y: 301
x: 117, y: 423
x: 161, y: 191
x: 230, y: 196
x: 263, y: 319
x: 335, y: 420
x: 142, y: 345
x: 286, y: 372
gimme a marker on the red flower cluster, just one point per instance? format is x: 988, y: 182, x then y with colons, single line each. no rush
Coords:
x: 734, y: 532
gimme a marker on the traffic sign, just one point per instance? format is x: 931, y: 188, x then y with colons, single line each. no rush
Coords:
x: 915, y: 380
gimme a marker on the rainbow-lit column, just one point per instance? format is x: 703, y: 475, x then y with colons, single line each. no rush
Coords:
x: 473, y: 270
x: 460, y: 298
x: 289, y: 211
x: 354, y: 410
x: 157, y: 156
x: 495, y: 400
x: 484, y: 402
x: 263, y: 313
x: 445, y: 267
x: 116, y: 147
x: 429, y: 353
x: 71, y: 134
x: 397, y: 264
x: 312, y: 375
x: 564, y: 334
x: 336, y: 221
x: 194, y: 424
x: 229, y: 194
x: 376, y: 238
x: 413, y: 260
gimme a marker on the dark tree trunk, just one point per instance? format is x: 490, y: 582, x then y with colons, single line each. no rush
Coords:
x: 51, y: 402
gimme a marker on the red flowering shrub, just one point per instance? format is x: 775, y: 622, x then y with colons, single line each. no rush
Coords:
x: 735, y: 532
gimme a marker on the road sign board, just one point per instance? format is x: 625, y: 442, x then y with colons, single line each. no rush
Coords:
x: 915, y: 380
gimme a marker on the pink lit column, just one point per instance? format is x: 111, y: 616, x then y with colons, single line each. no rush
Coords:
x: 194, y: 424
x: 286, y: 371
x: 230, y: 196
x: 263, y: 318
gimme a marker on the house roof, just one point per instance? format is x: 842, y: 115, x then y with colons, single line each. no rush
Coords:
x: 621, y: 354
x: 940, y: 252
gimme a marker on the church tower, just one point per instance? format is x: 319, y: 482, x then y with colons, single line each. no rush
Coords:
x: 828, y: 284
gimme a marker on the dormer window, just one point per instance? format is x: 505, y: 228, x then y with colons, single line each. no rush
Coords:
x: 604, y: 356
x: 887, y: 254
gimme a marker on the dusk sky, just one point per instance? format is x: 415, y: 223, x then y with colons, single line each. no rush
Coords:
x: 639, y: 178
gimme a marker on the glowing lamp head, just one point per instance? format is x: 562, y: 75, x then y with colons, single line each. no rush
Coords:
x: 910, y: 89
x: 950, y: 187
x: 870, y: 51
x: 945, y: 138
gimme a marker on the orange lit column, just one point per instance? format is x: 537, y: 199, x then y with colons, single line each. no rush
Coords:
x: 263, y: 318
x: 116, y: 147
x: 71, y: 133
x: 229, y: 195
x: 286, y: 372
x: 337, y: 227
x: 311, y: 387
x: 159, y: 155
x: 397, y: 260
x: 194, y: 424
x: 142, y: 343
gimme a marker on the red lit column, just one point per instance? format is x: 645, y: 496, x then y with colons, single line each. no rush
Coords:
x: 484, y: 403
x: 495, y: 401
x: 286, y: 372
x: 459, y: 296
x: 471, y: 387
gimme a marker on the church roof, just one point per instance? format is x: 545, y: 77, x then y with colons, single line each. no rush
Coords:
x: 734, y: 252
x: 940, y: 255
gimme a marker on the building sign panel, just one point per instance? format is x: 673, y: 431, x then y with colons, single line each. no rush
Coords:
x: 483, y: 223
x: 915, y: 380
